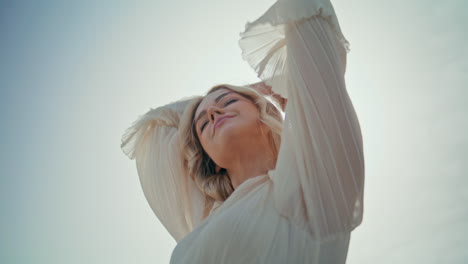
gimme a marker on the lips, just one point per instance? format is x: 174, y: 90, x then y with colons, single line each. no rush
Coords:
x: 219, y: 120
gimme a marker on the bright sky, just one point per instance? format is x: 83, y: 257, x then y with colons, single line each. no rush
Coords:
x: 75, y: 75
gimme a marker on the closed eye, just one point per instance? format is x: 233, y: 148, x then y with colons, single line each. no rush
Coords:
x: 203, y: 126
x: 230, y: 102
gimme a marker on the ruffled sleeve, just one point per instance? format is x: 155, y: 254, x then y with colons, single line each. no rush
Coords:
x: 297, y: 48
x: 153, y: 141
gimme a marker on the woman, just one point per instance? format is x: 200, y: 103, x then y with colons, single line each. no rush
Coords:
x: 233, y: 181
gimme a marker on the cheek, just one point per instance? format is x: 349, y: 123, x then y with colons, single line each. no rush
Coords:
x: 250, y: 115
x: 245, y: 125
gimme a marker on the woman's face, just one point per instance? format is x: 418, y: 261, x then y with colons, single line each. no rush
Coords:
x: 226, y: 122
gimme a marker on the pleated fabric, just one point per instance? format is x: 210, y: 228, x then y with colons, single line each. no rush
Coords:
x: 304, y: 210
x: 153, y: 141
x: 298, y: 48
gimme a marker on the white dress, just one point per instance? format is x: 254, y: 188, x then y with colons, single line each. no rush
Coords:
x: 304, y: 210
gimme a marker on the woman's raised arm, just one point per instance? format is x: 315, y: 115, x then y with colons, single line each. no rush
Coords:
x: 319, y: 177
x: 297, y: 48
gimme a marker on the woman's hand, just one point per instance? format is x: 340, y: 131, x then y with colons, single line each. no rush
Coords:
x: 262, y: 88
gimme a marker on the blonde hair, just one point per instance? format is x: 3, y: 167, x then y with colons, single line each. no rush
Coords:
x: 215, y: 185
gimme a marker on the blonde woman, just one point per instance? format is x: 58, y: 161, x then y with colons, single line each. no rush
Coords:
x: 266, y: 173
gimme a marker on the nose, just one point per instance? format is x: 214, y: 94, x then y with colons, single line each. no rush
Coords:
x: 213, y: 111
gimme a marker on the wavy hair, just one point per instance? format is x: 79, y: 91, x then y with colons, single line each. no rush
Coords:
x: 217, y: 185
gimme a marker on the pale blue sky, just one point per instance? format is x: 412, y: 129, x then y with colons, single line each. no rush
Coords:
x: 75, y: 75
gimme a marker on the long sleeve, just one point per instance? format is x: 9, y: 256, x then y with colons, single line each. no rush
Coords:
x: 153, y: 141
x: 297, y: 48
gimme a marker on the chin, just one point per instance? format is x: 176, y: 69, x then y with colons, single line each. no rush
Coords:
x: 232, y: 134
x: 226, y: 131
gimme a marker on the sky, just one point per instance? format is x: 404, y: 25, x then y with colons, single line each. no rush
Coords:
x: 75, y: 75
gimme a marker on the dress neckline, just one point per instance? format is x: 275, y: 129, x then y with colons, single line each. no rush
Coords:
x: 244, y: 183
x: 240, y: 189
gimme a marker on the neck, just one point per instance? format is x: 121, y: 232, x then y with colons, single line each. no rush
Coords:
x: 254, y: 162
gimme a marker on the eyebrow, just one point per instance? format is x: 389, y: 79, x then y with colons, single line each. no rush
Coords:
x: 216, y: 100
